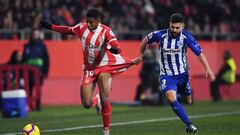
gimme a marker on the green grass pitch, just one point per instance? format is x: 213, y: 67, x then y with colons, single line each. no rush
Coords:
x: 221, y: 118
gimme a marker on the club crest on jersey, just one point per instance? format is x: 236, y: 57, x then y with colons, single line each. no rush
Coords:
x: 111, y: 33
x: 180, y: 44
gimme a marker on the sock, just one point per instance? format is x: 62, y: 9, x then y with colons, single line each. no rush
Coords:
x: 95, y: 101
x: 179, y: 110
x: 106, y: 114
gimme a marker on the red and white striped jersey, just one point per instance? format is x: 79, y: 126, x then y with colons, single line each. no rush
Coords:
x: 96, y: 44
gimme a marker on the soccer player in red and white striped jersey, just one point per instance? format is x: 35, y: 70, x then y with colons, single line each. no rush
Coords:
x: 102, y: 61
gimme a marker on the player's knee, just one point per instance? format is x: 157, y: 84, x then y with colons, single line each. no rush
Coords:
x: 171, y: 98
x: 87, y: 105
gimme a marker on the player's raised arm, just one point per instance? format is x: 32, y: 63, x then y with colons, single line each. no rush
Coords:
x: 150, y: 38
x: 209, y: 72
x: 195, y: 47
x: 57, y: 28
x: 143, y: 45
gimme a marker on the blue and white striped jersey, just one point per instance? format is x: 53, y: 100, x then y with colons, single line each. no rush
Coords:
x: 173, y: 58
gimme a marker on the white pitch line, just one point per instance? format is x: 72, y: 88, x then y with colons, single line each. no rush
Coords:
x: 136, y: 122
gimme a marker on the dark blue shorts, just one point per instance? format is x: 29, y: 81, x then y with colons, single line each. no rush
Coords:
x: 180, y: 83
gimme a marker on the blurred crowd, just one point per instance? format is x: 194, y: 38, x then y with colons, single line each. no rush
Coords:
x: 202, y: 16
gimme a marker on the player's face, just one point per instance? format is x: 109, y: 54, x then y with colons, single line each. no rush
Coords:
x: 92, y: 23
x: 176, y: 28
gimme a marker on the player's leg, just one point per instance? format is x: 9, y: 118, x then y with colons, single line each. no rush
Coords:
x: 177, y: 107
x: 88, y: 83
x: 179, y: 110
x: 169, y: 88
x: 104, y: 84
x: 186, y: 92
x: 187, y: 99
x: 87, y: 95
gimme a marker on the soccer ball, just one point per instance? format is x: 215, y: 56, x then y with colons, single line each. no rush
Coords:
x: 31, y: 129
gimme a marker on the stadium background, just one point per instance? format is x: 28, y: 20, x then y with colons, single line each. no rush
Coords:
x: 215, y: 23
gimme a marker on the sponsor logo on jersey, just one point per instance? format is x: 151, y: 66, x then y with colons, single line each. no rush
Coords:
x: 92, y: 46
x: 180, y: 44
x: 172, y: 51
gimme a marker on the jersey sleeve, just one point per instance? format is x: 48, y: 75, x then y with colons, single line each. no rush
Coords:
x: 111, y: 39
x: 193, y: 45
x: 152, y: 37
x: 62, y: 29
x: 76, y: 28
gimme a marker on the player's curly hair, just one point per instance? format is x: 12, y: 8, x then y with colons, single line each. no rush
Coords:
x: 95, y: 13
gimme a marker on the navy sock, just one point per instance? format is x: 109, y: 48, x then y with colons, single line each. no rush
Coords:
x: 179, y: 110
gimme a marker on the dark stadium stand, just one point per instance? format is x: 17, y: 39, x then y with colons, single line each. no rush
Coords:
x: 208, y: 19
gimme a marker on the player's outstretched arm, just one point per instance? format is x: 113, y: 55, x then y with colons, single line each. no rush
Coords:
x: 60, y: 29
x: 143, y: 45
x: 142, y: 49
x: 209, y: 72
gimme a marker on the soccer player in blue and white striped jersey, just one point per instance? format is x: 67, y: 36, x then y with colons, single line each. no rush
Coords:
x: 172, y: 45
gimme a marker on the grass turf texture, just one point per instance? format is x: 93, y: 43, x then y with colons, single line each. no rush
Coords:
x: 63, y: 117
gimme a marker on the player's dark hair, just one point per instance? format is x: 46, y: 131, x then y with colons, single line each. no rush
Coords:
x: 177, y: 18
x: 94, y: 13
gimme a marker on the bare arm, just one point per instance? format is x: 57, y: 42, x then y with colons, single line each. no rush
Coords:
x: 143, y: 46
x: 142, y: 49
x: 204, y: 62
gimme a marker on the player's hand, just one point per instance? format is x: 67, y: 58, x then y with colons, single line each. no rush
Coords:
x: 45, y: 24
x: 137, y: 60
x: 115, y: 50
x: 210, y: 74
